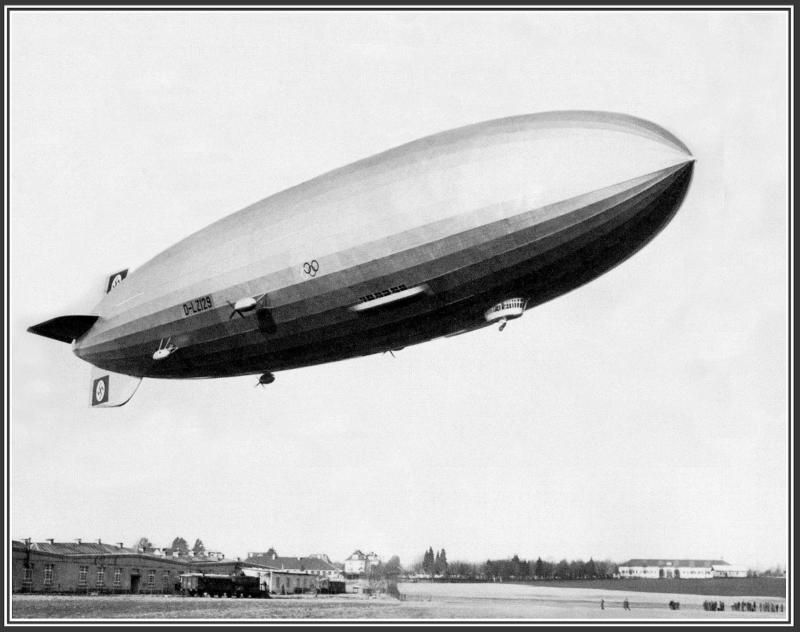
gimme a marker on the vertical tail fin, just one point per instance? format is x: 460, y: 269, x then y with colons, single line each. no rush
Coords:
x: 115, y: 279
x: 110, y: 389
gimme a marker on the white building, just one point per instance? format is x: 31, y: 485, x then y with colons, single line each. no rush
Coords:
x: 729, y: 570
x: 356, y: 564
x: 679, y: 569
x: 359, y: 564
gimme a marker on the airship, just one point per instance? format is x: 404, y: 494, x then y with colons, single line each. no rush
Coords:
x: 441, y: 236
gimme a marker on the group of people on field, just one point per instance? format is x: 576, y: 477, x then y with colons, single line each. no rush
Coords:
x: 760, y: 606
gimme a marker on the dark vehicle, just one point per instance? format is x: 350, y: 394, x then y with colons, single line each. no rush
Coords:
x: 214, y: 585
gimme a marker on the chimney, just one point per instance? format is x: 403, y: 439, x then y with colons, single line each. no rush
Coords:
x: 51, y: 540
x: 78, y: 540
x: 27, y: 541
x: 99, y: 541
x: 119, y: 544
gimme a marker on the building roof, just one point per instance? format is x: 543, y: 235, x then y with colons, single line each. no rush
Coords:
x: 356, y: 555
x: 224, y: 563
x: 320, y: 556
x: 80, y: 548
x: 92, y: 550
x: 304, y: 563
x: 674, y: 563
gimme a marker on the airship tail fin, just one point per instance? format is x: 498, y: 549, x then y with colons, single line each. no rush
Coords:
x: 115, y: 279
x: 110, y: 389
x: 65, y: 328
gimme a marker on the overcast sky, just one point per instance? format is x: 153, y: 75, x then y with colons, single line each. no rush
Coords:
x: 642, y: 415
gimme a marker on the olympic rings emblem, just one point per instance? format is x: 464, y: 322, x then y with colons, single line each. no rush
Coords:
x: 311, y: 267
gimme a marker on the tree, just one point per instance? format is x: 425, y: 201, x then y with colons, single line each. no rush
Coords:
x: 561, y: 570
x: 440, y: 563
x: 590, y: 570
x: 198, y: 549
x: 462, y: 569
x: 515, y: 566
x: 600, y: 569
x: 577, y: 569
x: 538, y: 570
x: 428, y: 562
x: 375, y: 571
x: 144, y: 544
x: 181, y: 546
x: 392, y: 568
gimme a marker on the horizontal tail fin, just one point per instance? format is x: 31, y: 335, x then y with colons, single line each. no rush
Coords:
x: 112, y: 389
x: 65, y: 328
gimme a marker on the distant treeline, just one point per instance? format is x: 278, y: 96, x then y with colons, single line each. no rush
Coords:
x: 522, y: 570
x: 436, y: 565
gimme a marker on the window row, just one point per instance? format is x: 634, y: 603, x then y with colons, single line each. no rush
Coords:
x: 100, y: 577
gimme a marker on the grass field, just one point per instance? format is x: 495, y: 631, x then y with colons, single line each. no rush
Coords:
x: 423, y: 601
x: 174, y: 607
x: 726, y: 587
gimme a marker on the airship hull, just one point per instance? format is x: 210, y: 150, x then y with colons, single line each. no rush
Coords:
x: 407, y: 246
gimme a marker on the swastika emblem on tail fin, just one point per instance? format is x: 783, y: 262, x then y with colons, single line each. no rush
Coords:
x: 110, y: 389
x: 100, y: 391
x: 115, y: 279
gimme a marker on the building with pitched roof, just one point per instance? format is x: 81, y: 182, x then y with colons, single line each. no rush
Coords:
x: 358, y: 564
x: 317, y: 564
x: 679, y: 569
x: 96, y: 567
x: 88, y: 567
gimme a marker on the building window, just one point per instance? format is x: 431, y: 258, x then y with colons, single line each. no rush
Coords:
x: 117, y: 577
x: 27, y: 578
x: 101, y: 576
x: 48, y: 574
x: 165, y: 581
x: 83, y: 571
x: 151, y: 578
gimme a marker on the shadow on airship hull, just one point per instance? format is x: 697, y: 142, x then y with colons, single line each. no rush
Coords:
x: 541, y: 278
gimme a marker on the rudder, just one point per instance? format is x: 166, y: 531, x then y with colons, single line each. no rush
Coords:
x: 110, y: 389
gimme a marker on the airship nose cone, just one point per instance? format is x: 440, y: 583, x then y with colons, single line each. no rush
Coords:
x: 549, y: 158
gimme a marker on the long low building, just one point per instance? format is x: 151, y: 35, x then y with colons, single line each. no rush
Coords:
x: 95, y: 567
x: 91, y: 567
x: 679, y: 569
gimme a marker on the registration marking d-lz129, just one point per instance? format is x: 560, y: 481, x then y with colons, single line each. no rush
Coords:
x: 197, y: 305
